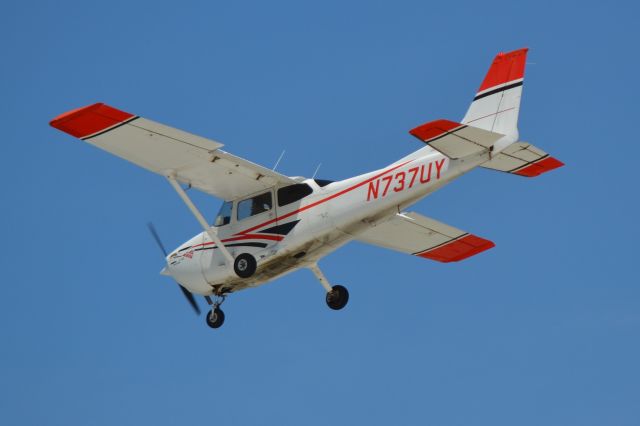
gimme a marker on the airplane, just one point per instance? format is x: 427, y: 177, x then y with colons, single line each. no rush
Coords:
x: 270, y: 224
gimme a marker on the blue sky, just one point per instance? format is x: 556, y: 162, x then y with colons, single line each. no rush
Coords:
x: 542, y: 329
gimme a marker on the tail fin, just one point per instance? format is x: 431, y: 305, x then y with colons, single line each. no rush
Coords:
x: 491, y: 123
x: 497, y: 103
x: 495, y: 108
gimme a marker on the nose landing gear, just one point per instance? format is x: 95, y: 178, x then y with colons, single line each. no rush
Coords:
x: 215, y: 317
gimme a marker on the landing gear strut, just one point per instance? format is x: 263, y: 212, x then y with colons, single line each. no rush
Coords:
x: 215, y: 317
x: 337, y: 295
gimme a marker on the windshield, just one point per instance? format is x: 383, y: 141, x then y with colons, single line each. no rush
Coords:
x: 224, y: 215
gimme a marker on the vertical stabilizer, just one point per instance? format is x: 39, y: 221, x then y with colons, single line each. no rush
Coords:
x: 497, y: 102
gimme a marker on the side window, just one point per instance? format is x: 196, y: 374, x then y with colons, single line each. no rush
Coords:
x: 292, y: 193
x: 224, y: 215
x: 255, y: 205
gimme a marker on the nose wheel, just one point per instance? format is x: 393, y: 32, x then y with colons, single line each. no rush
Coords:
x: 215, y: 317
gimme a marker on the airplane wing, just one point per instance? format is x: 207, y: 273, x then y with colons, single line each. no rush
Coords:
x: 421, y: 236
x: 168, y: 151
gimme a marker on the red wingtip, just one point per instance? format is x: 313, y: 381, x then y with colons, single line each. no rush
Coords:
x: 536, y: 169
x: 88, y: 120
x: 506, y: 67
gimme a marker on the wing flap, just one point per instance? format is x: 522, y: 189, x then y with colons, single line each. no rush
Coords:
x: 455, y: 140
x: 421, y: 236
x: 165, y: 150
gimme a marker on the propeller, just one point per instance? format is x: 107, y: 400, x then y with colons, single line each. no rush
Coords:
x: 187, y: 293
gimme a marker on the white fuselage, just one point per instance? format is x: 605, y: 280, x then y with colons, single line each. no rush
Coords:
x: 296, y: 235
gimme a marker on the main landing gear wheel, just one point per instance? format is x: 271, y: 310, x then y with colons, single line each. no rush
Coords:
x: 215, y: 318
x: 244, y: 265
x: 338, y: 297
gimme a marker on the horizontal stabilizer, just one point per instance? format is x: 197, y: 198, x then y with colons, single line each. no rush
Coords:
x: 524, y: 159
x: 419, y: 235
x: 455, y: 140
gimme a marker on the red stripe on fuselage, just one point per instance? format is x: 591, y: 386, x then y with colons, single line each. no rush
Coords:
x: 324, y: 200
x: 243, y: 237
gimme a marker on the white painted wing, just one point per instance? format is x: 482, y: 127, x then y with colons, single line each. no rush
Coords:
x: 419, y: 235
x: 165, y: 150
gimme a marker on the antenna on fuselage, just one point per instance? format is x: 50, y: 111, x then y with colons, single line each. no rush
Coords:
x: 279, y: 158
x: 316, y: 172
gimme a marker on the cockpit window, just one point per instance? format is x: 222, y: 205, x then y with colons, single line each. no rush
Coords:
x: 292, y: 193
x: 224, y: 215
x: 323, y: 182
x: 254, y: 205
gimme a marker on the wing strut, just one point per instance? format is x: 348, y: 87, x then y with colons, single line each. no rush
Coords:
x: 200, y: 218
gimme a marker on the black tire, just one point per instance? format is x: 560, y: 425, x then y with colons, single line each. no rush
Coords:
x: 337, y: 298
x: 215, y: 318
x: 244, y: 265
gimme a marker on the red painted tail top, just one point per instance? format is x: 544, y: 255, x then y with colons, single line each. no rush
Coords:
x: 506, y: 67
